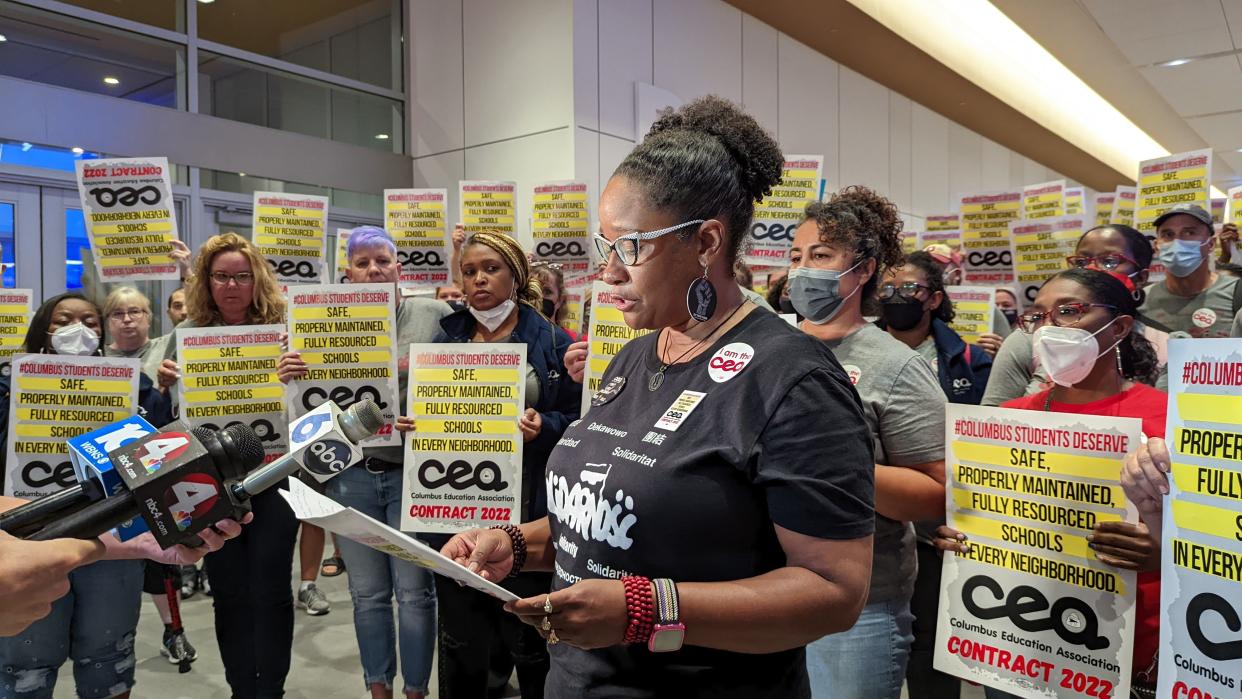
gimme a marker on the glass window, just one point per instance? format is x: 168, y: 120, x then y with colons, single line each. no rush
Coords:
x: 77, y: 248
x: 246, y: 92
x: 165, y: 14
x: 362, y: 202
x: 358, y: 39
x: 9, y: 274
x: 49, y: 48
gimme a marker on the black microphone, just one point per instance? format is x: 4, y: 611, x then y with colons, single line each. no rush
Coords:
x: 23, y: 520
x: 177, y: 482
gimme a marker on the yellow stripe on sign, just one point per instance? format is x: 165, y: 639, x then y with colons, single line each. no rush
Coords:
x: 249, y: 352
x: 340, y: 343
x: 1205, y: 480
x: 489, y: 219
x: 562, y: 196
x: 609, y: 314
x: 131, y: 261
x: 599, y: 365
x: 132, y: 228
x: 212, y: 381
x: 598, y: 350
x: 30, y: 383
x: 65, y: 431
x: 463, y: 409
x: 295, y: 213
x: 373, y: 357
x: 1178, y: 176
x: 339, y: 312
x: 1099, y: 467
x: 466, y: 427
x: 476, y: 375
x: 1010, y: 533
x: 972, y: 306
x: 72, y: 414
x: 278, y: 240
x: 1205, y: 519
x: 14, y: 309
x: 1089, y: 577
x: 1205, y: 407
x: 414, y: 206
x: 481, y: 198
x: 1061, y: 515
x: 234, y: 393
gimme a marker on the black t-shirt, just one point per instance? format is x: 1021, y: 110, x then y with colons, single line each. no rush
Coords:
x: 686, y: 482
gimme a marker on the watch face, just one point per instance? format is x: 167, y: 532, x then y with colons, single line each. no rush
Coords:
x: 665, y: 640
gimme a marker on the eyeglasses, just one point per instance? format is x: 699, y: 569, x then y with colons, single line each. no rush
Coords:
x: 1065, y: 315
x: 906, y: 290
x: 223, y: 278
x: 627, y: 246
x: 122, y: 315
x: 1107, y: 261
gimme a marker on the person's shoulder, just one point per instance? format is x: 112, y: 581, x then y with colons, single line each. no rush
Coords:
x: 424, y: 306
x: 1034, y: 401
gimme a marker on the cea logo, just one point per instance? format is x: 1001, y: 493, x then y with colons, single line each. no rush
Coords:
x: 168, y: 446
x: 1072, y: 619
x: 559, y: 249
x: 343, y: 396
x: 293, y: 268
x: 38, y: 474
x: 460, y: 475
x: 1199, y: 607
x: 773, y: 231
x: 418, y: 258
x: 191, y: 498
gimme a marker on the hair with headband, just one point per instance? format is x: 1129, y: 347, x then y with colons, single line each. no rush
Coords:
x: 525, y: 285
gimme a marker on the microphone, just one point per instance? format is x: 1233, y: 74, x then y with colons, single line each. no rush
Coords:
x: 88, y: 453
x: 323, y: 442
x: 176, y: 480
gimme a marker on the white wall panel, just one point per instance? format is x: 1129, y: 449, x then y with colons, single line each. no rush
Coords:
x: 760, y: 65
x: 586, y: 59
x: 437, y: 119
x: 809, y: 120
x: 899, y: 150
x: 443, y: 170
x: 698, y: 48
x: 624, y: 39
x: 864, y: 131
x: 586, y: 163
x: 612, y: 151
x: 965, y: 161
x: 994, y: 174
x: 929, y: 162
x: 528, y: 161
x: 1034, y: 173
x: 518, y: 68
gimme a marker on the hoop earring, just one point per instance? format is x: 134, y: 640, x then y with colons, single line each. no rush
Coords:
x: 701, y: 298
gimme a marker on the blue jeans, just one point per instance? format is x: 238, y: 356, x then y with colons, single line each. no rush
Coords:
x: 93, y: 624
x: 867, y: 661
x: 374, y: 577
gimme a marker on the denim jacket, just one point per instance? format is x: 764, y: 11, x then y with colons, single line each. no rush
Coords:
x: 560, y: 397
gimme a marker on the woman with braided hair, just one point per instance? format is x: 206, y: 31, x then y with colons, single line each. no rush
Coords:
x: 503, y: 298
x: 839, y: 252
x: 712, y: 512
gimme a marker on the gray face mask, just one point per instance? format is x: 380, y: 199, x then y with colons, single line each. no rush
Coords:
x: 815, y: 293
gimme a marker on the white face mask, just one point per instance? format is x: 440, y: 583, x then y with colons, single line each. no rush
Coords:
x: 1067, y: 354
x: 75, y: 339
x: 493, y: 318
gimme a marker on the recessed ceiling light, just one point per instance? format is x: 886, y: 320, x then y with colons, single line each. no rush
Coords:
x: 109, y: 80
x: 206, y: 2
x: 3, y: 38
x: 381, y: 137
x: 1175, y: 63
x: 1239, y: 150
x: 241, y: 174
x: 77, y: 150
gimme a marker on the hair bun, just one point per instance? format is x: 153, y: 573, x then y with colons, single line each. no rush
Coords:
x: 758, y: 156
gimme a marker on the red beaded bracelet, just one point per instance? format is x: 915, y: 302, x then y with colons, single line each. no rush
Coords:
x: 639, y: 607
x: 518, y: 541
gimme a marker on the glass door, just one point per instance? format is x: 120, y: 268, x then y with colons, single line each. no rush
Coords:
x: 21, y: 239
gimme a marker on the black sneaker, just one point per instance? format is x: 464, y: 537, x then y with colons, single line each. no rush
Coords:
x: 178, y: 650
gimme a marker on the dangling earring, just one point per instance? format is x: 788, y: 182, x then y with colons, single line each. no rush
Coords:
x: 701, y: 298
x: 1120, y: 371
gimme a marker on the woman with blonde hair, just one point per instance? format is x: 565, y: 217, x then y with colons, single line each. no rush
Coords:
x: 233, y: 285
x: 127, y: 312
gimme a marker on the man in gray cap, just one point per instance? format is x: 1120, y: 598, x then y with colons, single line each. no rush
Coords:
x: 1193, y: 300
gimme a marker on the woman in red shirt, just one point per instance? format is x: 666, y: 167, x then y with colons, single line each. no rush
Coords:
x: 1082, y: 321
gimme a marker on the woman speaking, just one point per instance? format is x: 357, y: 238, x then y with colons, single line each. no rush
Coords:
x: 712, y: 513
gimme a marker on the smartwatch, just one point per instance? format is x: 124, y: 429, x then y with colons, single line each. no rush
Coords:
x: 669, y: 633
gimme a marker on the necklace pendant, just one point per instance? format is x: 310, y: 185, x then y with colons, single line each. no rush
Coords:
x: 657, y: 379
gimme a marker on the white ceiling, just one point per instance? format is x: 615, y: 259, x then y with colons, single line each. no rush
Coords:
x: 1207, y: 91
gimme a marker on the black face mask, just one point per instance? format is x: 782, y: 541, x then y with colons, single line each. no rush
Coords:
x: 903, y: 315
x: 787, y: 306
x: 549, y: 309
x: 1011, y: 316
x: 457, y: 305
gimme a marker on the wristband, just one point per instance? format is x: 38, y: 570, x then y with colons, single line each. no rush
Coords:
x: 639, y: 608
x: 518, y: 541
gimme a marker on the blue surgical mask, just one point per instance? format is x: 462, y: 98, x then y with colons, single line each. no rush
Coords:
x: 815, y: 293
x: 1181, y: 257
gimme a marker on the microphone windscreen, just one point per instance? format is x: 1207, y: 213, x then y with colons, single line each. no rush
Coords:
x: 361, y: 420
x: 249, y: 446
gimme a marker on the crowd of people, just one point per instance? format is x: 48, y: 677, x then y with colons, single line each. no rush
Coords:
x: 789, y: 542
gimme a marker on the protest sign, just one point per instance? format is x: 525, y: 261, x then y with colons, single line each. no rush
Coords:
x: 1030, y: 609
x: 289, y: 230
x: 561, y: 226
x: 1201, y: 558
x: 776, y: 217
x: 463, y: 465
x: 1040, y: 249
x: 415, y: 218
x: 15, y: 313
x: 1043, y: 200
x: 488, y: 205
x: 128, y: 208
x: 346, y: 334
x: 608, y: 333
x: 972, y: 310
x: 228, y: 375
x: 53, y: 398
x: 985, y: 236
x: 1181, y: 178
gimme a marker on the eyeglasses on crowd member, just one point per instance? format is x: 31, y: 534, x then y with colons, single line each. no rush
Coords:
x: 726, y: 449
x: 232, y: 285
x: 1082, y: 325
